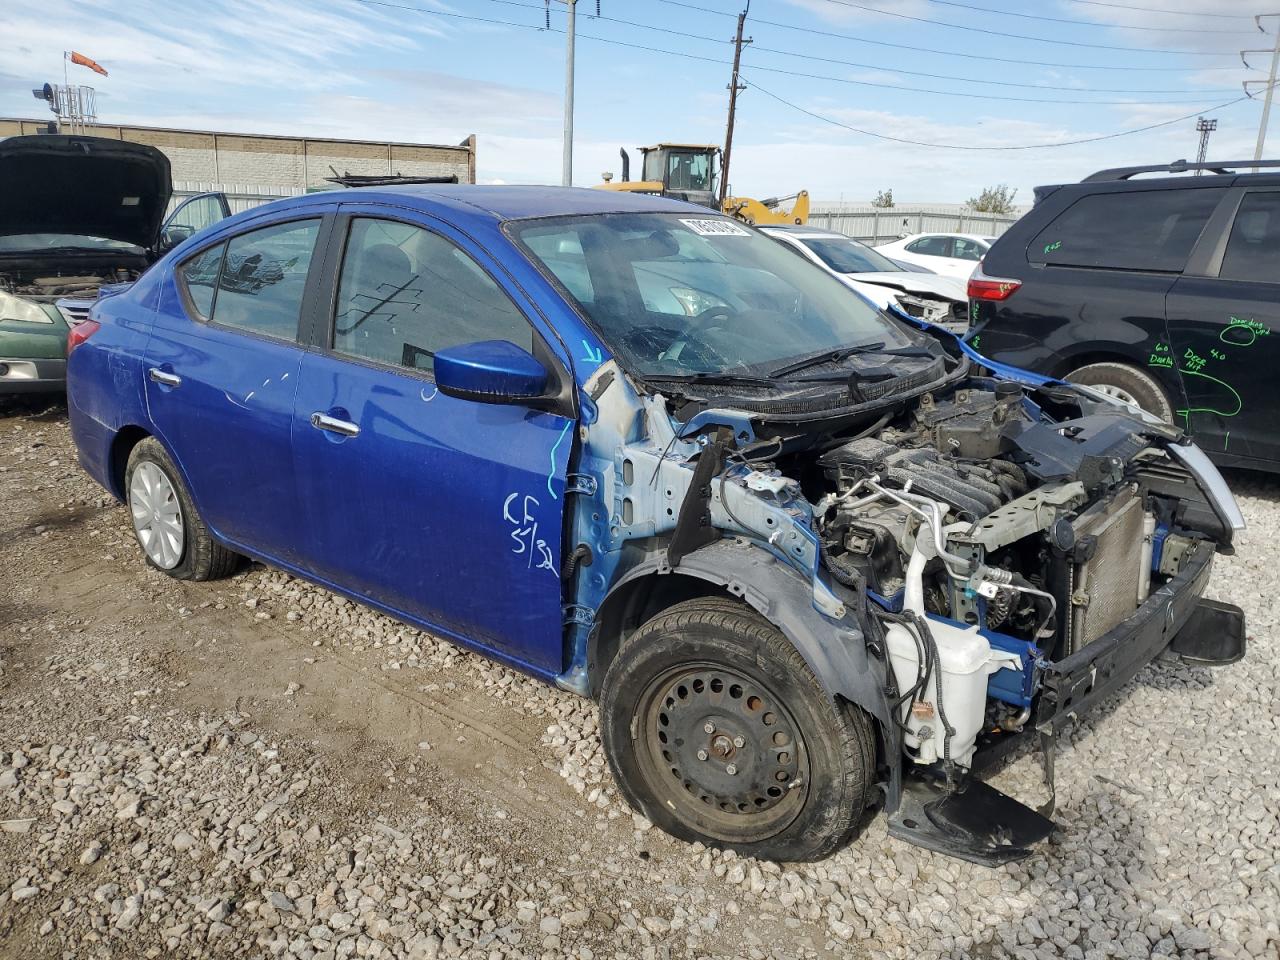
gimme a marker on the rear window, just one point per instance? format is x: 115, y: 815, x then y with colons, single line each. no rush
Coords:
x: 1253, y: 250
x: 1143, y: 230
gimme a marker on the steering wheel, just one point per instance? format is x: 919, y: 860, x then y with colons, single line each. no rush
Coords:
x: 689, y: 338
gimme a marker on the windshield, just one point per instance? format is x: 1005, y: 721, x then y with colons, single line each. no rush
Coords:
x: 849, y: 256
x: 29, y: 242
x: 682, y: 295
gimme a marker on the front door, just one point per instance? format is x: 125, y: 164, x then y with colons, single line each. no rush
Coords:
x: 1225, y: 338
x: 222, y: 368
x: 448, y: 511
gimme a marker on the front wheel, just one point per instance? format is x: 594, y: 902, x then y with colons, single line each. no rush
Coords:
x: 717, y: 731
x: 1125, y: 383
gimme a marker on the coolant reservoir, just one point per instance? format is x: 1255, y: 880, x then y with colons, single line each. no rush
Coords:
x: 965, y: 660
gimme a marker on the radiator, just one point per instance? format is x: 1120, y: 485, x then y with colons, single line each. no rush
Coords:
x: 1107, y: 585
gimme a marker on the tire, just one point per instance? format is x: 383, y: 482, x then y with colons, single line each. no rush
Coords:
x: 180, y: 543
x: 686, y: 709
x: 1128, y: 383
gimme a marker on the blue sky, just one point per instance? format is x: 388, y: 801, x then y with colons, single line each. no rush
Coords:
x: 356, y: 68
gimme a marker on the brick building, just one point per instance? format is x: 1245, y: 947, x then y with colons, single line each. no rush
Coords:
x: 252, y: 168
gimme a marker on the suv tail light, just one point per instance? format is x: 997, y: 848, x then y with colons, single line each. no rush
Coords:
x: 81, y: 332
x: 982, y: 287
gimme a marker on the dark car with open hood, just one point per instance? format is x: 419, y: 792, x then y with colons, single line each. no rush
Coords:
x: 77, y: 215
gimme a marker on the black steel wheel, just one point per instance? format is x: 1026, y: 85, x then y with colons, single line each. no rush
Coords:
x: 717, y: 731
x: 719, y: 746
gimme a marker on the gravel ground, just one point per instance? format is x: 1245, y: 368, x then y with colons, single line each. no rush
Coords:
x: 256, y: 768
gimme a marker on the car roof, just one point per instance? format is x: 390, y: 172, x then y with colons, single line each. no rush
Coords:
x: 496, y: 202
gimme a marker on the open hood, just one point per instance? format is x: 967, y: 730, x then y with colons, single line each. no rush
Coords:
x: 85, y: 186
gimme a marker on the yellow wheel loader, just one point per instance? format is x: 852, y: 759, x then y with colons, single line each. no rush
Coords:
x: 688, y: 171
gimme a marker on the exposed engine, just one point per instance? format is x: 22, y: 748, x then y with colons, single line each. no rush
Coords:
x: 80, y: 284
x: 991, y: 539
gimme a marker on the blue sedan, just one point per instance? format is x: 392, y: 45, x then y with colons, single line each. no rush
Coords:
x: 808, y: 555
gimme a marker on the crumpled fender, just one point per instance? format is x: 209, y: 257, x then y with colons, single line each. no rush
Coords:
x: 835, y: 650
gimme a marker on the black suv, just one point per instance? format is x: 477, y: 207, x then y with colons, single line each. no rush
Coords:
x: 1163, y: 291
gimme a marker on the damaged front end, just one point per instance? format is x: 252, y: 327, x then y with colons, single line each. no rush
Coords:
x: 973, y: 561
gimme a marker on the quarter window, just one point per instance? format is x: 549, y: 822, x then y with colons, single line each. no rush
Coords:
x: 199, y: 276
x: 406, y: 293
x: 1143, y: 230
x: 1253, y: 249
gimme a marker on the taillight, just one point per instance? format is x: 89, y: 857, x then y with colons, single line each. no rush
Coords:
x: 982, y: 287
x: 81, y: 332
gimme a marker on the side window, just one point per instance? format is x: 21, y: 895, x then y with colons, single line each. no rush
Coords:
x: 1141, y: 230
x: 931, y: 246
x: 967, y: 249
x: 199, y: 277
x: 1253, y: 249
x: 405, y: 293
x: 263, y: 276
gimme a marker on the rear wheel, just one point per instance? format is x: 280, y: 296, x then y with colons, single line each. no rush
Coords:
x: 1126, y: 383
x: 173, y: 537
x: 717, y: 731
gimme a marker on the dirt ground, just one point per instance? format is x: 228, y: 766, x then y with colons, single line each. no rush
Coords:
x: 254, y: 767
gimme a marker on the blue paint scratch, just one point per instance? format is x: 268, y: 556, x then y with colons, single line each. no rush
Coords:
x: 552, y: 475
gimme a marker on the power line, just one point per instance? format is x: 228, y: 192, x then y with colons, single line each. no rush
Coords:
x: 794, y: 73
x: 1077, y: 22
x: 872, y: 66
x: 1018, y: 36
x: 958, y: 146
x: 944, y: 53
x: 944, y: 76
x: 1172, y: 13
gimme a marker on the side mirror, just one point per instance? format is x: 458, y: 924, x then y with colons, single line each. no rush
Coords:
x: 490, y: 371
x: 172, y: 236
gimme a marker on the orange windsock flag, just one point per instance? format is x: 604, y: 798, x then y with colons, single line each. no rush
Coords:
x: 84, y: 61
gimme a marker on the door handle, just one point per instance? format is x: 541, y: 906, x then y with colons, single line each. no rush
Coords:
x: 163, y: 376
x: 322, y: 421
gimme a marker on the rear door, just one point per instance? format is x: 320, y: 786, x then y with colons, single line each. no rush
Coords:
x: 1224, y: 326
x: 222, y: 368
x: 447, y: 511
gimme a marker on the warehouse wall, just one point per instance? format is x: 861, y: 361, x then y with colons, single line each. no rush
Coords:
x: 293, y: 162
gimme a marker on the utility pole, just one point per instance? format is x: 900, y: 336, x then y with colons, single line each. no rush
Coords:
x: 1271, y: 83
x: 734, y: 86
x: 566, y: 175
x: 1205, y: 127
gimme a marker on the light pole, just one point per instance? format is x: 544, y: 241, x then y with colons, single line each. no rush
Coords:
x: 566, y: 174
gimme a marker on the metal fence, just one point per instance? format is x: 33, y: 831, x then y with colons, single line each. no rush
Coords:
x: 883, y: 224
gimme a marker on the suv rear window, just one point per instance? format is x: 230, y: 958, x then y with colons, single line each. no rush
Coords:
x: 1253, y: 251
x: 1141, y: 230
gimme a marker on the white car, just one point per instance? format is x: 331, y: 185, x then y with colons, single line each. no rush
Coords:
x: 951, y: 254
x: 929, y: 296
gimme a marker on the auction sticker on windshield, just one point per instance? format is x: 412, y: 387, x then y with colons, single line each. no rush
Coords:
x: 715, y: 228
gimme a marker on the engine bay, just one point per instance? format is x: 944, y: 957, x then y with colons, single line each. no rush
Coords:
x: 990, y: 540
x: 81, y: 282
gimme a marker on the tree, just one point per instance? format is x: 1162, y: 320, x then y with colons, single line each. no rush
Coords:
x: 883, y: 199
x: 994, y: 200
